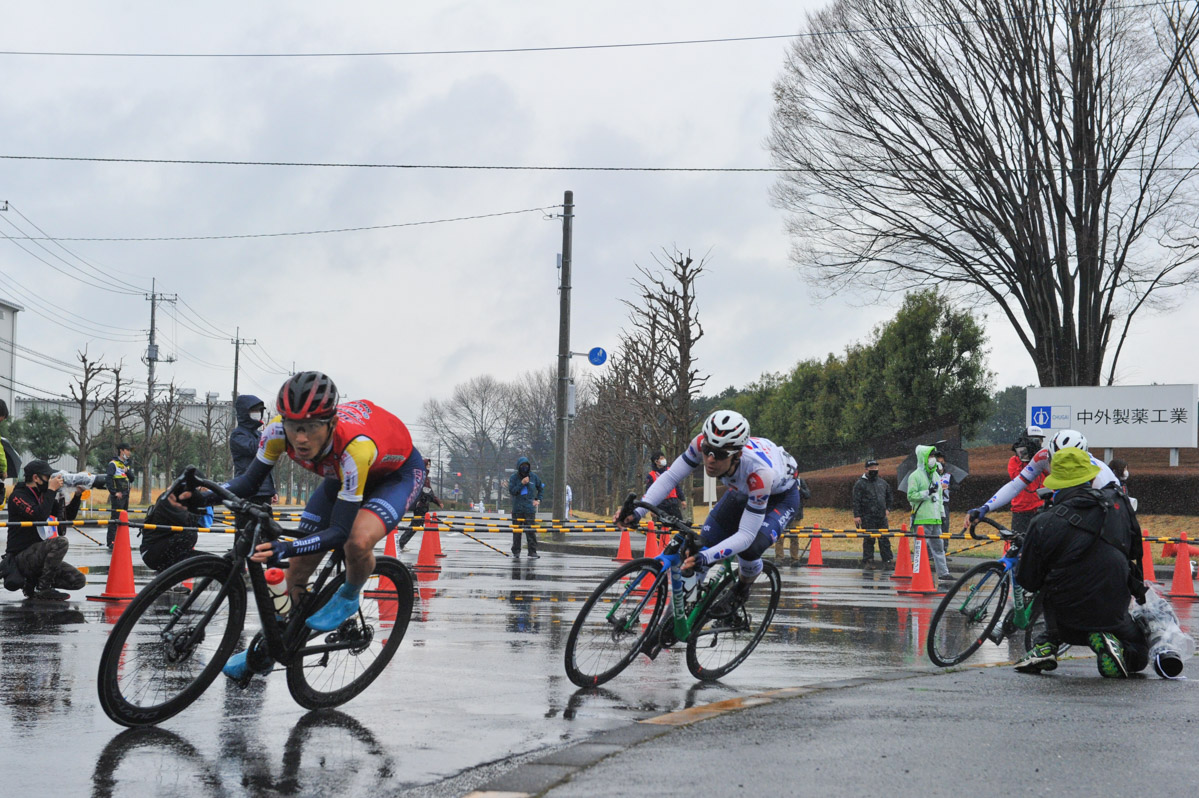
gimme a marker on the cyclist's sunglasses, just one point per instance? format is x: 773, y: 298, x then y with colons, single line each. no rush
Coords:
x: 712, y: 451
x: 305, y: 426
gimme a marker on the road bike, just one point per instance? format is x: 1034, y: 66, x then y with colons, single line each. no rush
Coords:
x: 976, y: 610
x: 646, y: 605
x: 172, y: 640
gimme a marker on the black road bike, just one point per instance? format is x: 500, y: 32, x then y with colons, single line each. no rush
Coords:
x: 173, y: 639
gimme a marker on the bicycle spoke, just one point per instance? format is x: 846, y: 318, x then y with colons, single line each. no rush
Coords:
x: 613, y: 622
x: 971, y: 611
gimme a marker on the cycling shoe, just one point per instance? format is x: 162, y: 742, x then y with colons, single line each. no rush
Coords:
x: 335, y: 612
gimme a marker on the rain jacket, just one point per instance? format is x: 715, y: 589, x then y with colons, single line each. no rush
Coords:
x: 523, y: 495
x: 243, y: 442
x: 924, y: 488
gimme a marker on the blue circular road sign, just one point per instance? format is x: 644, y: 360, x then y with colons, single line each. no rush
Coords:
x: 597, y: 356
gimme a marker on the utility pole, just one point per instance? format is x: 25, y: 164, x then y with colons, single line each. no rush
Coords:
x: 238, y: 342
x: 560, y: 440
x: 150, y: 360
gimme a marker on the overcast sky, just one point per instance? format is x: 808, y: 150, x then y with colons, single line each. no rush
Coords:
x: 403, y: 314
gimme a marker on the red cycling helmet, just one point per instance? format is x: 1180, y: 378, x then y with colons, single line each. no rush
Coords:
x: 307, y: 395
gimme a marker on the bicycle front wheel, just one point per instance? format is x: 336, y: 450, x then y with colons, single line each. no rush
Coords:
x: 171, y: 641
x: 967, y: 614
x: 333, y: 667
x: 615, y: 619
x: 725, y: 635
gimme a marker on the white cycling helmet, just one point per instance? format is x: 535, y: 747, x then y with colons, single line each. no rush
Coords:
x: 726, y: 429
x: 1067, y: 439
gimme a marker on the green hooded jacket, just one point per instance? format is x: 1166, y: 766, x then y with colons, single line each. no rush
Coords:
x: 926, y: 506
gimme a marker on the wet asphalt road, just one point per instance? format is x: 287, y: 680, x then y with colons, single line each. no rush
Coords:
x: 477, y: 687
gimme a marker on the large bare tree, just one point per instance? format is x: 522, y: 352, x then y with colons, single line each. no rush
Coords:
x: 1038, y: 155
x: 479, y: 424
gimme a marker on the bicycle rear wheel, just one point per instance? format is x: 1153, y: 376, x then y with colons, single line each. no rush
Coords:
x: 724, y: 635
x: 615, y: 619
x: 967, y: 614
x: 165, y: 650
x: 362, y: 646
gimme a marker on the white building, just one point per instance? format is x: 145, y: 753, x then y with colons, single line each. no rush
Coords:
x: 8, y: 357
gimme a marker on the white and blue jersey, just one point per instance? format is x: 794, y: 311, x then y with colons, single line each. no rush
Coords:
x: 1040, y: 464
x: 763, y: 484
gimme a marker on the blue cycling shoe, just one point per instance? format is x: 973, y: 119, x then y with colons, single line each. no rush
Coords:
x: 334, y: 613
x: 237, y: 668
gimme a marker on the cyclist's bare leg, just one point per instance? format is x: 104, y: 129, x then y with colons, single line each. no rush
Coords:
x: 299, y: 570
x: 366, y: 533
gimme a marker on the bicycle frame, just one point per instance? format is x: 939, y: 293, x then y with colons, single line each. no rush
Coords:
x: 281, y: 639
x: 1022, y: 600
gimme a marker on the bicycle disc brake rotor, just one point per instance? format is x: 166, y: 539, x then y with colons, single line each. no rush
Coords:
x: 179, y: 646
x: 357, y: 635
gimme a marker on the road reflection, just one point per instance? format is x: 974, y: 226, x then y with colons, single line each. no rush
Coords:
x: 325, y: 752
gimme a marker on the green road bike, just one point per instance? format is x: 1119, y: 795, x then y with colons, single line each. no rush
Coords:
x: 975, y: 610
x: 647, y: 605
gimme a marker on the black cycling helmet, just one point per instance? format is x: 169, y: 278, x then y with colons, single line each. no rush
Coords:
x: 307, y: 395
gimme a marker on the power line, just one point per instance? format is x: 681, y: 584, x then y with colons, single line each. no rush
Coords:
x: 48, y: 237
x: 16, y: 242
x: 567, y: 47
x: 306, y: 232
x: 54, y: 316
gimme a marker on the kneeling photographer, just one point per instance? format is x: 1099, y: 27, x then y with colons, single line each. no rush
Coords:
x: 1083, y: 554
x: 37, y: 553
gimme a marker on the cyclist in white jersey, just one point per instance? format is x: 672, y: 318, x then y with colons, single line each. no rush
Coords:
x: 762, y: 493
x: 1039, y: 464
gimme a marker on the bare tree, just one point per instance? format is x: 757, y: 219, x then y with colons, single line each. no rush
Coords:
x: 215, y: 427
x: 85, y: 391
x: 1035, y: 154
x: 168, y: 433
x: 116, y: 402
x: 535, y: 396
x: 479, y: 423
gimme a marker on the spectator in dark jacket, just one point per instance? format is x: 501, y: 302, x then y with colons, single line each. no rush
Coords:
x: 39, y: 552
x: 872, y: 500
x: 525, y: 488
x: 419, y: 508
x: 1083, y: 555
x: 162, y: 548
x: 120, y: 477
x: 673, y: 503
x: 243, y: 443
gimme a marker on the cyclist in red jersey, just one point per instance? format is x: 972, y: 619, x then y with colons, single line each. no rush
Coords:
x: 372, y: 473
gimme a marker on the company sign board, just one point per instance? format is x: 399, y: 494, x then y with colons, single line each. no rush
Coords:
x: 1154, y: 416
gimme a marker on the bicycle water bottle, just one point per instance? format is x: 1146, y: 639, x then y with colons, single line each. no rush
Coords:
x: 277, y: 584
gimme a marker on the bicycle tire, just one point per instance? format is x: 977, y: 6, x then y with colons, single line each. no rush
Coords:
x: 145, y: 678
x: 721, y: 640
x: 955, y: 634
x: 597, y: 648
x: 327, y: 679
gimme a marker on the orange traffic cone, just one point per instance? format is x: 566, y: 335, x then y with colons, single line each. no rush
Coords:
x: 120, y: 569
x: 903, y: 556
x: 385, y: 584
x: 427, y: 558
x: 815, y: 555
x: 431, y: 526
x: 1183, y: 585
x: 651, y: 544
x: 922, y: 580
x: 625, y: 552
x: 1147, y: 561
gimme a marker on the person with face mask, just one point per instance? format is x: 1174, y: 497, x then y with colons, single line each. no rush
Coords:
x: 38, y: 552
x: 525, y: 488
x: 1026, y: 503
x: 872, y: 500
x: 243, y: 443
x: 925, y: 496
x: 120, y: 479
x: 672, y: 504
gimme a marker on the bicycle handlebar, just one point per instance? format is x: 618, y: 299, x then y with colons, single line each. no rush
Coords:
x: 674, y: 522
x: 1004, y: 532
x: 191, y: 480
